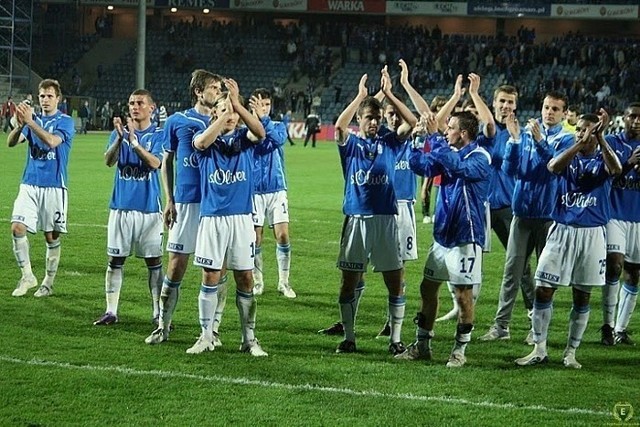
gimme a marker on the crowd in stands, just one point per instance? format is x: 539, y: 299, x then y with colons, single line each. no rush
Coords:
x: 592, y: 71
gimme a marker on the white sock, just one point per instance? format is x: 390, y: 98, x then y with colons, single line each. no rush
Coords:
x: 283, y: 256
x: 628, y: 298
x: 246, y: 304
x: 609, y: 301
x: 348, y: 310
x: 396, y: 314
x: 168, y: 301
x: 52, y: 260
x: 542, y: 313
x: 21, y: 252
x: 155, y: 288
x: 257, y: 266
x: 462, y: 336
x: 207, y: 301
x: 578, y: 319
x: 112, y: 284
x: 222, y: 301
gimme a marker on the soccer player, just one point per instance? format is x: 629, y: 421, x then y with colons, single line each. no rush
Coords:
x: 505, y: 101
x: 271, y: 203
x: 459, y: 228
x: 225, y: 158
x: 575, y: 252
x: 485, y: 138
x: 526, y: 157
x: 404, y: 186
x: 42, y: 199
x: 571, y: 118
x: 623, y: 233
x: 182, y: 195
x: 135, y: 217
x: 370, y: 231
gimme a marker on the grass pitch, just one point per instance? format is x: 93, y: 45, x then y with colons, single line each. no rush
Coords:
x: 59, y: 369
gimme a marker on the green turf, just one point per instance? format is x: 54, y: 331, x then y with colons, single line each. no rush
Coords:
x: 58, y: 369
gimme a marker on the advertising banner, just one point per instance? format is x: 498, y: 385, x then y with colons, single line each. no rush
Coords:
x: 347, y: 6
x: 271, y: 5
x: 194, y: 4
x: 594, y: 11
x: 437, y: 8
x: 483, y: 8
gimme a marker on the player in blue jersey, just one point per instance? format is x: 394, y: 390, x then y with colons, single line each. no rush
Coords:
x: 370, y: 231
x: 459, y: 228
x: 404, y: 185
x: 271, y: 202
x: 575, y: 252
x: 225, y: 232
x: 135, y: 217
x: 623, y: 233
x: 182, y: 195
x: 485, y: 138
x: 526, y: 156
x: 42, y: 199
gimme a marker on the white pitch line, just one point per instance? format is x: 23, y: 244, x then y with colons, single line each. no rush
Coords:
x: 301, y: 387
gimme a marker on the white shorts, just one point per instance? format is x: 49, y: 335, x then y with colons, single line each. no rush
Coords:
x: 41, y: 208
x: 407, y: 230
x: 134, y: 230
x: 274, y: 207
x: 230, y: 236
x: 573, y: 256
x: 184, y: 233
x: 373, y: 238
x: 460, y: 265
x: 623, y: 237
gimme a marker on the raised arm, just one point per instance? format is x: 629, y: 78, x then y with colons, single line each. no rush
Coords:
x: 409, y: 119
x: 342, y: 124
x: 448, y: 108
x: 611, y: 160
x: 255, y: 127
x: 484, y: 113
x: 418, y: 101
x: 203, y: 140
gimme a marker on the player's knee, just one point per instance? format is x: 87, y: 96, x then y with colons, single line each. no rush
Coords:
x: 543, y: 294
x: 18, y: 229
x: 632, y: 273
x: 116, y: 262
x: 614, y: 266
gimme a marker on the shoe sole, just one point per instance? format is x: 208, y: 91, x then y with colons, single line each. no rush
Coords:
x: 206, y: 349
x: 534, y: 361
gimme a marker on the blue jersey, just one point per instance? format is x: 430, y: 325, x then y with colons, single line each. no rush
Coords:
x: 502, y: 185
x: 226, y: 175
x: 404, y: 181
x: 268, y: 167
x: 136, y: 187
x: 460, y: 212
x: 583, y: 194
x: 46, y: 166
x: 368, y: 166
x: 178, y: 138
x: 625, y: 193
x: 535, y: 187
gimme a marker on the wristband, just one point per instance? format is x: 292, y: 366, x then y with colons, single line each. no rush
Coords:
x: 134, y: 143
